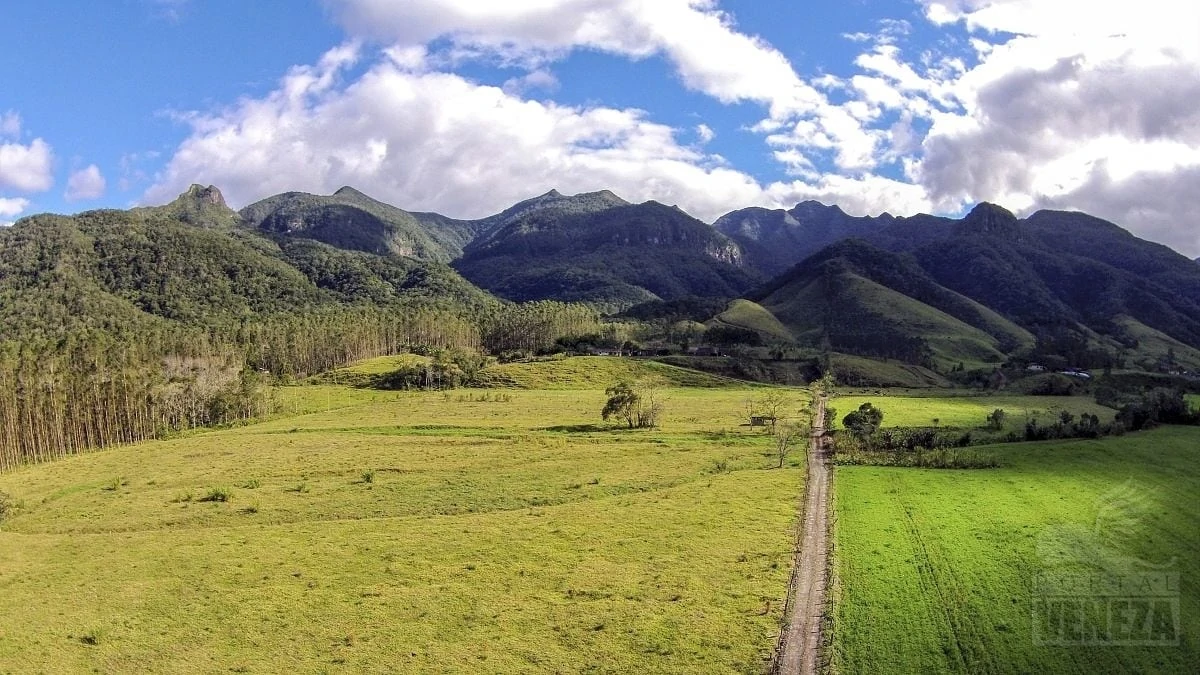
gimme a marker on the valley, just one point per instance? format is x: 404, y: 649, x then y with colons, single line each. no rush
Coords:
x: 323, y: 433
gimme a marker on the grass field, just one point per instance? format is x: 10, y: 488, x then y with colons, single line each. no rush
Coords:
x: 471, y: 531
x: 936, y: 569
x: 968, y: 412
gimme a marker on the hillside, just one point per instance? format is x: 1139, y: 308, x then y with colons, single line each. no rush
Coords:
x: 1068, y: 281
x: 185, y: 263
x: 597, y: 248
x: 349, y: 219
x: 856, y: 298
x: 775, y: 239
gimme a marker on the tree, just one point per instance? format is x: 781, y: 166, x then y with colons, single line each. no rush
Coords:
x: 638, y: 406
x: 787, y: 435
x: 769, y: 405
x: 865, y: 421
x: 995, y: 419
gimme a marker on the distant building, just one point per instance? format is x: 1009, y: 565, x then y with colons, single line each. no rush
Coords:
x: 1036, y: 368
x: 603, y: 351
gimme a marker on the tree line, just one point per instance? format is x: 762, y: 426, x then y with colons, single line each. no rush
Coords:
x: 96, y: 387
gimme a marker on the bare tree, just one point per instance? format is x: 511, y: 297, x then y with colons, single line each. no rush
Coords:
x: 769, y: 405
x: 787, y: 436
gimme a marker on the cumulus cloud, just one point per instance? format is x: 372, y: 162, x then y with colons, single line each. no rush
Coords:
x: 1071, y: 104
x: 10, y: 125
x: 27, y: 168
x: 87, y: 183
x: 433, y: 140
x: 1068, y: 104
x: 12, y: 206
x: 702, y: 42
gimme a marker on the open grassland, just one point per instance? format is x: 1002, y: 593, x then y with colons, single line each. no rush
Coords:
x: 968, y: 412
x: 471, y: 531
x: 597, y: 372
x: 861, y: 370
x: 937, y: 570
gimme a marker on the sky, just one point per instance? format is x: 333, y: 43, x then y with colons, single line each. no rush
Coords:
x: 465, y: 107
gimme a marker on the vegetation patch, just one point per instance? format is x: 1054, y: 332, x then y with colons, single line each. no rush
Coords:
x: 938, y: 571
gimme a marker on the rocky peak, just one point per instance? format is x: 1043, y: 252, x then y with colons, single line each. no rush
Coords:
x: 990, y: 218
x: 200, y: 195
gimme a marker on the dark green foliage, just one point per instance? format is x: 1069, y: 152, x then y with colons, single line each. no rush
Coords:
x: 637, y: 406
x: 681, y: 309
x: 604, y: 252
x: 1073, y: 281
x: 865, y: 421
x: 216, y: 495
x: 7, y: 506
x: 995, y: 419
x: 1054, y: 385
x: 1157, y: 406
x: 732, y: 335
x: 349, y: 219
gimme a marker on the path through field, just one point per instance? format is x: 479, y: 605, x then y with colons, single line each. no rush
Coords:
x: 802, y: 635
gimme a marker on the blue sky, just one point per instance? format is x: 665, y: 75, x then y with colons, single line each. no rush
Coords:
x: 466, y: 106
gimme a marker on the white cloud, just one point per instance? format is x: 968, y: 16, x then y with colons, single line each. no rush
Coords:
x: 540, y: 79
x: 1070, y: 103
x: 12, y: 206
x: 10, y: 125
x: 87, y: 183
x: 702, y: 42
x: 436, y: 141
x: 27, y: 168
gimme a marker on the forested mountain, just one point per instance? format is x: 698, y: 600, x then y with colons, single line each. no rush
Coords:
x: 122, y: 325
x: 349, y: 219
x: 775, y: 239
x: 598, y: 248
x: 117, y: 326
x: 1066, y: 278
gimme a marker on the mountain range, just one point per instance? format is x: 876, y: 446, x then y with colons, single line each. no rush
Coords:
x: 921, y: 289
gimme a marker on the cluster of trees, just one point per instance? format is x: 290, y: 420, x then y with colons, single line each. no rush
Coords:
x: 1068, y: 426
x: 447, y: 369
x: 638, y: 405
x: 62, y: 397
x: 94, y: 387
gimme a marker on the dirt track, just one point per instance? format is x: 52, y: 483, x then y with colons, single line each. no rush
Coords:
x: 802, y: 635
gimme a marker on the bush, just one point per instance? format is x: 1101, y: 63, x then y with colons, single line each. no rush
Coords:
x: 216, y: 495
x: 637, y: 405
x: 7, y: 506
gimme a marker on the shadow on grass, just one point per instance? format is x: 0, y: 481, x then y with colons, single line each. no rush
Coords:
x: 576, y: 428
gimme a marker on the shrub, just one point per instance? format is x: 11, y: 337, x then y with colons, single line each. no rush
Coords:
x: 7, y: 506
x: 368, y: 476
x: 216, y: 495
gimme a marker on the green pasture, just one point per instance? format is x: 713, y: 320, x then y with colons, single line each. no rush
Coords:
x: 466, y: 531
x: 937, y: 570
x: 968, y: 412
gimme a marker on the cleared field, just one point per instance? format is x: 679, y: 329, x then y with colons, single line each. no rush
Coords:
x: 597, y: 372
x: 968, y: 412
x: 937, y: 570
x: 472, y: 531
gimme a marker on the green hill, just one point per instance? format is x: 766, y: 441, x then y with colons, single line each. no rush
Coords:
x: 115, y: 269
x: 596, y: 248
x: 753, y: 316
x: 349, y: 219
x: 855, y: 298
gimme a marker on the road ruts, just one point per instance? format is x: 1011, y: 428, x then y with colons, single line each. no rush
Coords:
x: 802, y: 636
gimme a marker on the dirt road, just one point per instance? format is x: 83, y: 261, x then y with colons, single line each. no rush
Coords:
x: 802, y: 635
